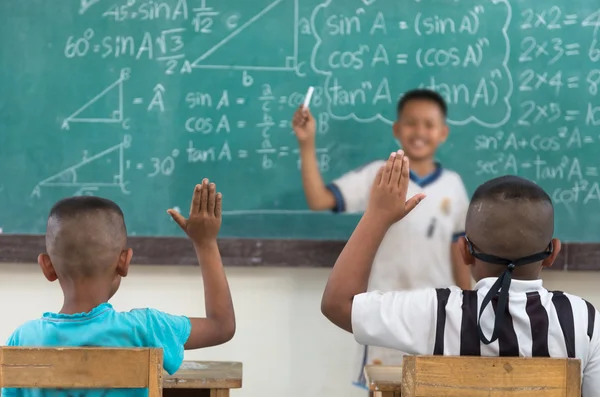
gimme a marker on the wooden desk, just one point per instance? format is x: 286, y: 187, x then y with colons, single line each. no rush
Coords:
x: 384, y: 381
x: 203, y: 379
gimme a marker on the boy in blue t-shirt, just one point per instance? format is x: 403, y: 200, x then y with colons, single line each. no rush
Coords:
x: 87, y: 249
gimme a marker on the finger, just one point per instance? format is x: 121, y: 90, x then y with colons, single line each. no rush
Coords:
x: 204, y: 196
x: 306, y: 114
x: 387, y: 171
x: 304, y: 119
x: 299, y: 114
x: 195, y: 205
x: 405, y: 177
x: 413, y: 202
x: 211, y: 198
x: 178, y: 218
x: 397, y: 169
x: 379, y: 175
x: 219, y: 205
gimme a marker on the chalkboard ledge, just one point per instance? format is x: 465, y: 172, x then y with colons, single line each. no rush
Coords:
x: 173, y: 251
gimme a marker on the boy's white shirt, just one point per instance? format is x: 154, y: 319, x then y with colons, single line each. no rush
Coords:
x: 407, y: 320
x: 415, y: 253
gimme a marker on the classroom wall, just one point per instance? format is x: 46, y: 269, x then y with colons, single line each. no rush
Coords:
x: 286, y: 345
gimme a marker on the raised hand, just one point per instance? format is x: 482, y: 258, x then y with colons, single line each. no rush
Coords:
x: 388, y: 194
x: 204, y: 221
x: 304, y: 126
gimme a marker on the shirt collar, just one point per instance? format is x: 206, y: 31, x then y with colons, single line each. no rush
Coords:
x: 101, y: 308
x: 428, y: 179
x: 519, y: 286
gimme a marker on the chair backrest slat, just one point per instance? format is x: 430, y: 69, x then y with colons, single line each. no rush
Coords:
x: 86, y: 368
x: 478, y: 376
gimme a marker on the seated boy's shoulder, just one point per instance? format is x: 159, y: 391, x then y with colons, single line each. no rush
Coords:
x: 25, y: 332
x: 147, y: 316
x: 141, y: 314
x: 576, y: 299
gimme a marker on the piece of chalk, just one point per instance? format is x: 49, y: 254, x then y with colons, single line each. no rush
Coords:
x: 309, y: 93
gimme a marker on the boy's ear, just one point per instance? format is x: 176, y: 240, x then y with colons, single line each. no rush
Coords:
x: 445, y: 132
x: 468, y: 259
x: 47, y: 267
x: 556, y: 246
x: 124, y: 261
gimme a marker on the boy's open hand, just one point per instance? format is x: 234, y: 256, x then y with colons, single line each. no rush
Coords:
x: 205, y: 214
x: 304, y: 126
x: 388, y: 195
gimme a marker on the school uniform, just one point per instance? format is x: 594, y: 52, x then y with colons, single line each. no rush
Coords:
x: 415, y: 253
x: 536, y: 323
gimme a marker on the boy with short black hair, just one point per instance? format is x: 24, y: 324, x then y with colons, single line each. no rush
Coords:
x: 86, y: 242
x: 427, y: 238
x: 509, y: 233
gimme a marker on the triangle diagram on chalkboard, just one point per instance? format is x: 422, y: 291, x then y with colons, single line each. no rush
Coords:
x: 251, y: 44
x: 105, y: 107
x: 100, y: 170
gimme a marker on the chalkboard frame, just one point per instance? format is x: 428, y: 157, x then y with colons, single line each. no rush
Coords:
x: 175, y: 251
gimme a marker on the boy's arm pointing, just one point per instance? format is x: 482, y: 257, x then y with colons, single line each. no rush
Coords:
x: 202, y: 228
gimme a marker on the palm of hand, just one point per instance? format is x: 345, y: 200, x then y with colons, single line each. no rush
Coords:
x: 204, y: 221
x: 388, y: 193
x: 390, y: 202
x: 304, y: 133
x: 303, y: 124
x: 202, y: 226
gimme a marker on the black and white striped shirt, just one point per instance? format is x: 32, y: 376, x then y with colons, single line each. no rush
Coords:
x: 537, y: 322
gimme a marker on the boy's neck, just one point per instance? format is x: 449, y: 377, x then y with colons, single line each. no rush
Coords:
x: 79, y: 307
x: 422, y: 168
x: 83, y: 298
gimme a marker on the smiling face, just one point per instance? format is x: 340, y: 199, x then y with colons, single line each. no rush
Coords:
x: 421, y: 128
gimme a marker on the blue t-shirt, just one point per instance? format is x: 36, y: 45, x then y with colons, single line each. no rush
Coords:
x: 104, y: 327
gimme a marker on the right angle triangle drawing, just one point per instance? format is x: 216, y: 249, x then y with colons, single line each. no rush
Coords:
x: 105, y: 107
x: 239, y: 49
x: 102, y: 169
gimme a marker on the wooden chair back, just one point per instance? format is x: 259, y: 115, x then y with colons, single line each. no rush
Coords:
x: 436, y: 376
x: 82, y: 368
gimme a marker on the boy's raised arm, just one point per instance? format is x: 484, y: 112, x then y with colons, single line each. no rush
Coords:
x: 317, y: 195
x: 202, y: 228
x: 350, y: 274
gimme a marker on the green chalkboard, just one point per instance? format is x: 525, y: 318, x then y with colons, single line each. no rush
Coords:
x: 137, y: 100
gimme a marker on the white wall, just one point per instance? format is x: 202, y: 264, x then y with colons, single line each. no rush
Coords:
x: 286, y: 345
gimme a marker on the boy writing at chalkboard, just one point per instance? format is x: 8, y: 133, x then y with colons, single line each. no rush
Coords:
x: 87, y: 253
x: 426, y: 239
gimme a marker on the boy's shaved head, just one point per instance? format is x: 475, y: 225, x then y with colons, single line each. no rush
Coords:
x: 85, y: 236
x: 510, y: 217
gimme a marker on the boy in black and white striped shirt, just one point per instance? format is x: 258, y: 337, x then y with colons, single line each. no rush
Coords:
x: 509, y: 229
